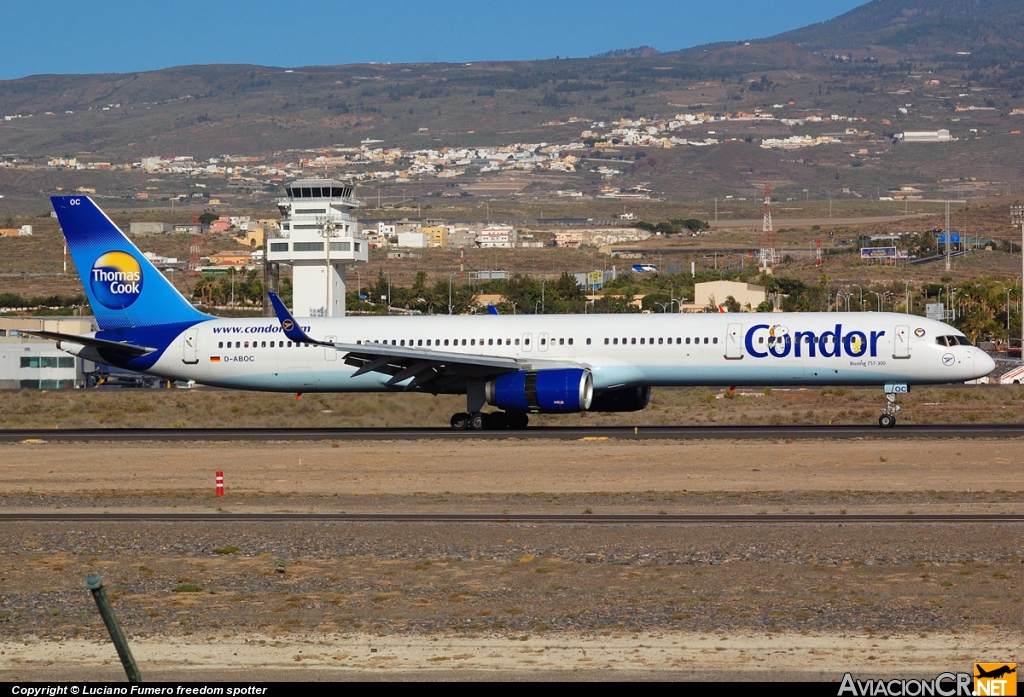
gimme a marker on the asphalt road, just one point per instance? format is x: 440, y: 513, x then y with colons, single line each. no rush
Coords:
x: 933, y: 431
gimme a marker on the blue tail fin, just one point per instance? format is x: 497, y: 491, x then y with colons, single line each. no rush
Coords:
x: 124, y: 288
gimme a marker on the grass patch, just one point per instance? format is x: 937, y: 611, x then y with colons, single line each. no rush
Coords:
x: 187, y: 588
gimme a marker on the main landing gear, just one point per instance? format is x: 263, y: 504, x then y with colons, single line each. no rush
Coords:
x: 888, y: 417
x: 493, y: 421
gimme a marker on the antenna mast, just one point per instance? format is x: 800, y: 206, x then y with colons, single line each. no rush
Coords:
x: 766, y: 255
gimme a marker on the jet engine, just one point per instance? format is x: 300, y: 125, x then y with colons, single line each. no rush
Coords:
x: 622, y: 399
x: 553, y: 391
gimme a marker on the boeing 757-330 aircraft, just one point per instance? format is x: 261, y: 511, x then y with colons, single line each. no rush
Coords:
x: 519, y: 364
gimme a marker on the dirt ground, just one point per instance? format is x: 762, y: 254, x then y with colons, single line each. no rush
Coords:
x: 332, y: 600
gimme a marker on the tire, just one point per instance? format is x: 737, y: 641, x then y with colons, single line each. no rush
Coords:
x: 517, y: 420
x: 460, y: 421
x: 477, y: 422
x: 886, y: 420
x: 496, y: 421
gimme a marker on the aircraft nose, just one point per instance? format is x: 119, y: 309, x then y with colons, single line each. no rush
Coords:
x: 983, y: 363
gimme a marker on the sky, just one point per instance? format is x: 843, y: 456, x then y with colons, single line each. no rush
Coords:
x: 118, y: 36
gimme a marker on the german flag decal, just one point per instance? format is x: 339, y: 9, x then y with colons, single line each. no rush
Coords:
x: 214, y: 359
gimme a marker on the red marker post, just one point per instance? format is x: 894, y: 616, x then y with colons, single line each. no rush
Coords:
x: 220, y: 484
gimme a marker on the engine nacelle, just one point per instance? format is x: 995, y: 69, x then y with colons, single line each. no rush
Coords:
x: 622, y: 399
x: 554, y: 391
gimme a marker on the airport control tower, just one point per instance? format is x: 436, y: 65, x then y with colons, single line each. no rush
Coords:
x: 317, y: 238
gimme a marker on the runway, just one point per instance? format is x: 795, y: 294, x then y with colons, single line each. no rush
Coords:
x: 847, y: 432
x: 571, y: 519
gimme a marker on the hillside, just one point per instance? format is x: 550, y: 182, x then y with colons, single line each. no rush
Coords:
x: 884, y: 68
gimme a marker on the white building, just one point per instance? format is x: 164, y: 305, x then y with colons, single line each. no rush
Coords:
x: 317, y: 211
x: 940, y: 136
x: 28, y: 362
x: 496, y: 236
x: 417, y: 240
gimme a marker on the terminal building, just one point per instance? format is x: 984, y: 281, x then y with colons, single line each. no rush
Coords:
x: 317, y: 237
x: 28, y: 362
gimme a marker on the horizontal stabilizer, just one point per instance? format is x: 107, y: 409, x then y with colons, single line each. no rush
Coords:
x: 126, y: 349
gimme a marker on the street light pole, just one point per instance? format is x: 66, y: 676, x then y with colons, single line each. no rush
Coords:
x: 1017, y: 218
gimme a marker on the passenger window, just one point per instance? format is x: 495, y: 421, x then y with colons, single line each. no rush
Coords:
x: 289, y: 344
x: 641, y: 340
x: 508, y: 342
x: 403, y: 342
x: 561, y: 342
x: 271, y: 344
x: 517, y: 342
x: 679, y: 340
x: 715, y: 341
x: 570, y: 341
x: 428, y: 342
x: 651, y: 340
x: 687, y: 341
x: 446, y: 342
x: 660, y: 340
x: 616, y: 341
x: 633, y: 340
x: 705, y: 340
x: 526, y: 342
x: 220, y: 345
x: 588, y: 341
x: 463, y: 342
x: 263, y: 344
x: 238, y: 344
x: 543, y: 341
x: 490, y: 342
x: 420, y: 342
x: 472, y: 342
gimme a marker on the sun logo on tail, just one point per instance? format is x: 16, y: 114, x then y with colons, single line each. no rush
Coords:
x: 116, y: 280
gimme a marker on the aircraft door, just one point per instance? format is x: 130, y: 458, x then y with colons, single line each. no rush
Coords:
x: 331, y: 353
x: 527, y: 342
x: 542, y: 341
x: 734, y: 342
x: 191, y: 346
x: 901, y: 342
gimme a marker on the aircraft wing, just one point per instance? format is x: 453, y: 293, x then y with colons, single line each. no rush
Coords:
x: 427, y: 369
x: 126, y: 349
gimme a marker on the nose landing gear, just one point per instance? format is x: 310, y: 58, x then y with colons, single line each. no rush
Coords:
x: 888, y: 417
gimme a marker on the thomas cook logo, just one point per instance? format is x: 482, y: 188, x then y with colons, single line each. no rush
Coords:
x: 995, y: 679
x: 116, y: 280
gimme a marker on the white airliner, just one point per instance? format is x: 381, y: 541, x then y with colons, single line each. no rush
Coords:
x: 519, y: 364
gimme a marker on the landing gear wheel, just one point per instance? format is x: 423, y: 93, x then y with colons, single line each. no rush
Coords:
x: 886, y: 420
x: 517, y: 420
x: 478, y: 421
x: 496, y: 421
x: 460, y: 421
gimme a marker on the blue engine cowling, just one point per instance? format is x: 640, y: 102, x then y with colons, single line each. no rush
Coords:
x: 554, y: 391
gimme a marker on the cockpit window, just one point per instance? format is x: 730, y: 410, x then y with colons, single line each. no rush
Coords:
x: 953, y: 340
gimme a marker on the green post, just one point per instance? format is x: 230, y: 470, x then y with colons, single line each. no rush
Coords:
x: 95, y: 584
